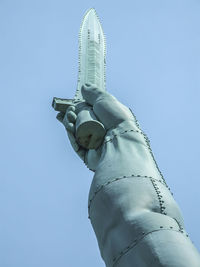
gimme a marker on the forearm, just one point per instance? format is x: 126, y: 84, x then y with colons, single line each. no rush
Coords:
x: 135, y: 218
x: 129, y: 201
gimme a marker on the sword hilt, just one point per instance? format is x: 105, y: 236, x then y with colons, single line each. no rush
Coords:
x: 89, y: 131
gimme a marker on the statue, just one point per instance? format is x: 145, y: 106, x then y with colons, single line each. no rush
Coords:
x: 133, y: 213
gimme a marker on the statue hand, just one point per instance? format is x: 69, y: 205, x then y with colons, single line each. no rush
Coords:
x: 90, y: 157
x: 69, y: 119
x: 108, y: 110
x: 106, y: 107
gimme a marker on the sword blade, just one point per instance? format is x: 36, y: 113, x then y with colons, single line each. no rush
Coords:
x: 92, y: 53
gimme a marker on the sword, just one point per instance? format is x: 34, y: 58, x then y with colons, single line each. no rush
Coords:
x: 92, y: 51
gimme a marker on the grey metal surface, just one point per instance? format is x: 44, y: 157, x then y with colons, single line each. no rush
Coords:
x: 136, y: 220
x: 92, y: 52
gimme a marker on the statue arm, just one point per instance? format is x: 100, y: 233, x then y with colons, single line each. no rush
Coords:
x: 133, y: 213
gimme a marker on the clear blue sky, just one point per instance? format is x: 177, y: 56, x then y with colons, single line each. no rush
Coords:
x: 153, y: 66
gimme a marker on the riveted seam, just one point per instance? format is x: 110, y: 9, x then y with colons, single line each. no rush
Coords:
x: 153, y: 180
x: 147, y: 143
x: 120, y: 133
x: 160, y: 197
x: 149, y: 148
x: 138, y: 239
x: 181, y: 228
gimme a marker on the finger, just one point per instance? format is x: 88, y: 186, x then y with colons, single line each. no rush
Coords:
x: 71, y: 108
x: 78, y: 149
x: 71, y: 116
x: 110, y: 111
x: 91, y: 93
x: 70, y: 127
x: 73, y: 142
x: 81, y: 152
x: 60, y: 116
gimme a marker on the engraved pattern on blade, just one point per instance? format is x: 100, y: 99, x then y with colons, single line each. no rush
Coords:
x: 92, y: 51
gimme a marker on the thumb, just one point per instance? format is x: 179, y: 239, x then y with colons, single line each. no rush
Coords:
x: 90, y: 93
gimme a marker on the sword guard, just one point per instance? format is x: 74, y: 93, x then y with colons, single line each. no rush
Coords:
x: 61, y: 104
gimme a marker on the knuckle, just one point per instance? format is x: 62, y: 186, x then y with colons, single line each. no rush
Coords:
x: 71, y: 108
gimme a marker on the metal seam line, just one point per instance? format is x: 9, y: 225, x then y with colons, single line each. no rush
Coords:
x: 120, y: 178
x: 126, y: 131
x: 136, y: 241
x: 158, y: 192
x: 147, y: 144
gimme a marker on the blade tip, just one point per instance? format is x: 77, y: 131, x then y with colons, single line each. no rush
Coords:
x: 91, y: 10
